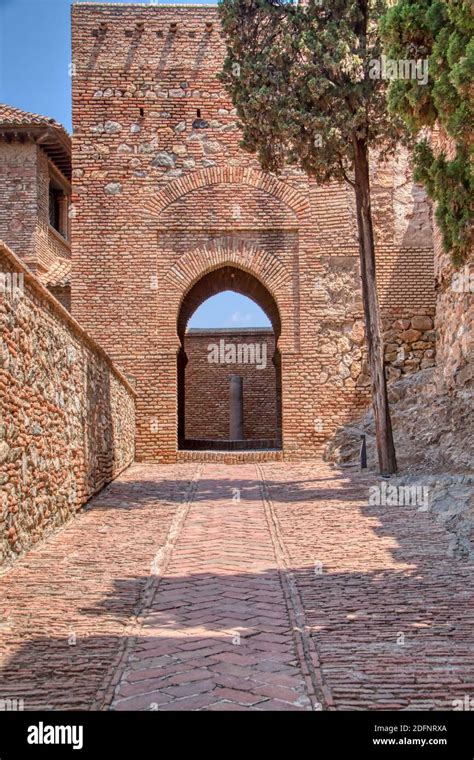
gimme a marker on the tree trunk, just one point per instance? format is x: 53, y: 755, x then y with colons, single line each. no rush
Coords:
x: 375, y: 349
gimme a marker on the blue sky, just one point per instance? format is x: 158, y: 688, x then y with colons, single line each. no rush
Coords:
x: 229, y: 309
x: 35, y: 53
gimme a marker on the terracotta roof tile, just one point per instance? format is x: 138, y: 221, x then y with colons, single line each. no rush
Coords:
x: 52, y: 136
x: 9, y: 115
x: 59, y: 274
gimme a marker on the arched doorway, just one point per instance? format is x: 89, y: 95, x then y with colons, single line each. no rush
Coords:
x: 229, y: 380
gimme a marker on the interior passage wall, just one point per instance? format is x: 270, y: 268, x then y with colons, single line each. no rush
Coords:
x: 212, y: 357
x: 67, y: 422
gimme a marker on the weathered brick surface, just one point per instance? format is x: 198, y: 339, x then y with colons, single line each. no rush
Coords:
x: 175, y: 202
x: 18, y: 197
x: 207, y: 384
x: 34, y: 150
x: 67, y: 422
x: 217, y: 631
x: 171, y: 594
x: 231, y: 457
x: 66, y: 606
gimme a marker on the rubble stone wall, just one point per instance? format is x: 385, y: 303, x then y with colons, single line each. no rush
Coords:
x: 454, y: 308
x: 67, y: 422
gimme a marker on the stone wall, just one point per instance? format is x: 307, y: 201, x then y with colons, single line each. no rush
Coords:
x: 454, y: 308
x: 67, y: 421
x: 455, y: 330
x: 431, y: 409
x: 164, y: 196
x: 410, y: 342
x: 207, y: 383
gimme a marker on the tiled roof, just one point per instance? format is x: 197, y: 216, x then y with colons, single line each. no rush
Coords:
x: 59, y: 274
x: 49, y: 133
x: 9, y: 115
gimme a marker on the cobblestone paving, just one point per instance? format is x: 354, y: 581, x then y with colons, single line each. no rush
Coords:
x: 268, y: 586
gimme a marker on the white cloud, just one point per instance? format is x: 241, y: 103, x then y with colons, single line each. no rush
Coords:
x: 240, y: 320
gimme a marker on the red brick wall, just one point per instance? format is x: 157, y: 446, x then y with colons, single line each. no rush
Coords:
x: 24, y: 206
x: 207, y: 385
x: 160, y: 203
x: 19, y: 197
x: 62, y: 294
x: 50, y: 244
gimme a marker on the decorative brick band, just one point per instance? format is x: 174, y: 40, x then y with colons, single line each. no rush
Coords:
x: 227, y: 251
x: 229, y: 175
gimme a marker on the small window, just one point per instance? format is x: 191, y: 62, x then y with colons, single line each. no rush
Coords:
x: 58, y: 208
x: 55, y: 197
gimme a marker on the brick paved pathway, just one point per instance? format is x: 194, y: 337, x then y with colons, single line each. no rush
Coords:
x: 249, y: 587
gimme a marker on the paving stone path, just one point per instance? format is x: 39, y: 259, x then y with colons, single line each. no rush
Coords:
x: 269, y: 586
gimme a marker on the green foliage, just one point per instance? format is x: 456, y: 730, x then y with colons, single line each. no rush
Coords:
x: 450, y: 183
x: 298, y: 76
x: 441, y: 31
x: 308, y: 93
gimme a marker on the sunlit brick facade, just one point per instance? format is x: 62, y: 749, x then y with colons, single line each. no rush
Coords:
x: 165, y: 201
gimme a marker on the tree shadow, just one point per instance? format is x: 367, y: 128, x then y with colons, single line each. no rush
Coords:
x: 128, y: 495
x: 386, y: 641
x: 391, y: 618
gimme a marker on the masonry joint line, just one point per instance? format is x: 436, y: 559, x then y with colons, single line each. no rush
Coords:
x: 310, y: 662
x: 105, y: 695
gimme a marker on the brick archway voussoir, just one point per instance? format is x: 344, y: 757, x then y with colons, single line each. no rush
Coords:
x: 260, y: 265
x: 263, y: 265
x: 288, y: 195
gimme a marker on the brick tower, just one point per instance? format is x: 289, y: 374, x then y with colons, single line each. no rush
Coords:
x: 169, y: 210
